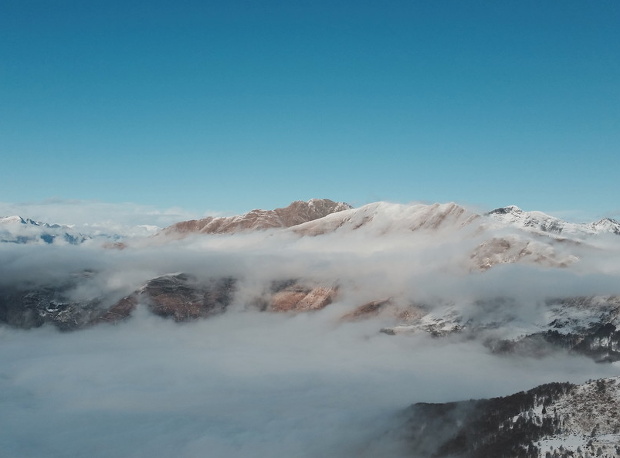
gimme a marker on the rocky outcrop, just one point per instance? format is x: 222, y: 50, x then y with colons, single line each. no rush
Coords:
x: 180, y: 296
x: 183, y: 297
x: 296, y: 213
x: 295, y: 296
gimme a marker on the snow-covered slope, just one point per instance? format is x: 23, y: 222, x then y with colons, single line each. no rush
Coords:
x: 15, y: 229
x: 383, y: 218
x: 541, y: 222
x: 552, y: 420
x: 322, y: 216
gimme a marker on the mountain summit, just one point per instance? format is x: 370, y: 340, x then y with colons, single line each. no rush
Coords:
x: 296, y: 213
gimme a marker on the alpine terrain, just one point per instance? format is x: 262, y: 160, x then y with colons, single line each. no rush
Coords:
x: 399, y: 289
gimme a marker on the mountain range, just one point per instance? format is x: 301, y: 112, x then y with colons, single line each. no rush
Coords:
x: 15, y: 229
x: 521, y: 283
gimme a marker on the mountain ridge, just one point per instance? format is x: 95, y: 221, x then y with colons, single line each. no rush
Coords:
x: 413, y: 216
x: 17, y: 229
x: 322, y: 216
x: 542, y: 222
x: 555, y: 420
x: 297, y: 212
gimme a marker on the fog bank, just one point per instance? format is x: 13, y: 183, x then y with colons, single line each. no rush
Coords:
x: 243, y: 384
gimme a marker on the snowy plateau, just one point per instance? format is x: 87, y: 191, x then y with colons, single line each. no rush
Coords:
x: 313, y: 330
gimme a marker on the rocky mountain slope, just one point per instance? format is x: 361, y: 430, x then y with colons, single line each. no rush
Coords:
x: 296, y: 213
x: 552, y: 420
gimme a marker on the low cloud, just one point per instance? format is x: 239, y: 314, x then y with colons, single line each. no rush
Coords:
x: 244, y: 384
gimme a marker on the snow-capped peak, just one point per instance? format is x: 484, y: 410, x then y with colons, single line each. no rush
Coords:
x: 541, y: 222
x: 507, y: 210
x: 12, y: 220
x: 606, y: 225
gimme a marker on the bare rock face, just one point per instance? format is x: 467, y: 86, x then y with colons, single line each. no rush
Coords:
x: 183, y: 297
x: 178, y: 296
x: 296, y: 213
x: 119, y: 311
x: 300, y: 298
x: 295, y: 295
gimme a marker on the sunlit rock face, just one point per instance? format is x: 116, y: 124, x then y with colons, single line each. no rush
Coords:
x: 296, y: 213
x: 297, y: 297
x: 184, y: 297
x: 181, y: 297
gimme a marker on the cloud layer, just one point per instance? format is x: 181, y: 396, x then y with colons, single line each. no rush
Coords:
x: 244, y: 384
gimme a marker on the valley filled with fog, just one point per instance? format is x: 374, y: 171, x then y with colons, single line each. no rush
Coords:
x: 244, y: 384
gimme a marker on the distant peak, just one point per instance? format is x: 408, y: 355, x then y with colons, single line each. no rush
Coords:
x: 506, y: 210
x: 605, y: 221
x: 324, y: 202
x: 12, y: 219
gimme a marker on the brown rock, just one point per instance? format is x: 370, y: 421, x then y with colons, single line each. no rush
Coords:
x: 367, y: 310
x: 296, y: 213
x: 299, y: 298
x: 119, y: 311
x: 178, y: 296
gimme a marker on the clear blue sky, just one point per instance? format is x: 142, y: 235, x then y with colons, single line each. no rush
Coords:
x: 235, y: 105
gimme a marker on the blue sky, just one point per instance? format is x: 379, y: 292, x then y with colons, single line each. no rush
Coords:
x: 228, y: 106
